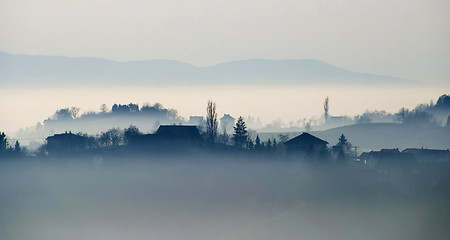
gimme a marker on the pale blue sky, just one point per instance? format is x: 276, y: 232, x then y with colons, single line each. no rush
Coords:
x: 403, y: 38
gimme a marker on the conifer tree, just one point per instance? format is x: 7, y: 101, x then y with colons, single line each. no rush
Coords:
x: 17, y: 147
x: 240, y: 135
x: 257, y: 143
x: 269, y: 144
x: 3, y: 142
x: 342, y: 148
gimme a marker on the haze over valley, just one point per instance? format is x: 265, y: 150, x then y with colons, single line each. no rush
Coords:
x: 225, y: 119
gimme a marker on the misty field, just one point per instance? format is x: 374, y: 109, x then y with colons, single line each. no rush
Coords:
x: 215, y: 199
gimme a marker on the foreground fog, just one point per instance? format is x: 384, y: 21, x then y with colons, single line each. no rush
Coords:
x: 213, y: 198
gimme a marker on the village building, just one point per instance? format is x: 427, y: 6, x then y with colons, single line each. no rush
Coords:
x: 169, y: 136
x: 65, y: 143
x: 178, y: 133
x: 227, y: 123
x: 386, y: 157
x: 305, y: 145
x: 429, y: 155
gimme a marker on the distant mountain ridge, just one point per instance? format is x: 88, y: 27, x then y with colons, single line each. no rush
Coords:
x: 32, y: 71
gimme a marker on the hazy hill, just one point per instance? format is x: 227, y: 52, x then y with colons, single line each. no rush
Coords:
x: 374, y: 136
x: 390, y: 135
x: 32, y: 71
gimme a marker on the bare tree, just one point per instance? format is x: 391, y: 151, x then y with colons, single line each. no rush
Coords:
x: 103, y: 108
x: 211, y: 122
x: 325, y: 109
x: 66, y: 113
x: 130, y: 133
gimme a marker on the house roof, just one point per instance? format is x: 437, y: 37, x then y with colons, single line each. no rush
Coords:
x: 413, y: 150
x: 426, y: 155
x: 388, y: 150
x: 227, y: 117
x: 306, y: 139
x: 178, y: 132
x: 66, y: 136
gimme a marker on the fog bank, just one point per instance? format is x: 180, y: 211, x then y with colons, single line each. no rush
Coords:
x: 211, y: 199
x: 268, y: 103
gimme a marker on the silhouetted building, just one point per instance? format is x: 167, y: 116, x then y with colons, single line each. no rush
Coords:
x: 65, y: 143
x: 227, y: 123
x: 179, y: 133
x: 306, y: 145
x: 386, y: 157
x: 429, y: 155
x: 168, y: 136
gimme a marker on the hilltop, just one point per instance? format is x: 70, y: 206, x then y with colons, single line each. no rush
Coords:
x: 370, y: 136
x: 58, y: 71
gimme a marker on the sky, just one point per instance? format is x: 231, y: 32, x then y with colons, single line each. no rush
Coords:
x: 401, y: 38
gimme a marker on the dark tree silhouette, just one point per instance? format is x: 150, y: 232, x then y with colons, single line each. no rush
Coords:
x: 211, y: 122
x: 257, y: 143
x: 240, y: 135
x: 3, y: 143
x: 66, y: 113
x: 343, y: 148
x: 250, y: 145
x: 104, y: 139
x: 17, y: 147
x: 443, y: 102
x: 112, y: 137
x: 268, y: 145
x: 416, y: 117
x: 129, y: 133
x: 325, y: 109
x: 103, y: 108
x: 224, y: 138
x: 115, y: 136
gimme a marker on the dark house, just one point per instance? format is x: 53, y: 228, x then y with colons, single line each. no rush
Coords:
x: 306, y: 144
x: 386, y: 157
x: 429, y: 155
x: 178, y: 133
x: 169, y: 136
x: 65, y: 143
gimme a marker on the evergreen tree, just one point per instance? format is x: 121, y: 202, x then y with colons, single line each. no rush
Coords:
x: 343, y: 142
x: 250, y: 145
x: 240, y: 135
x: 17, y: 147
x: 257, y: 143
x: 3, y: 142
x: 269, y: 144
x: 343, y: 148
x: 274, y: 145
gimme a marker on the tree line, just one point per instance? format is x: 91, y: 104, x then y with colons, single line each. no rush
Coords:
x: 7, y: 150
x: 156, y: 110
